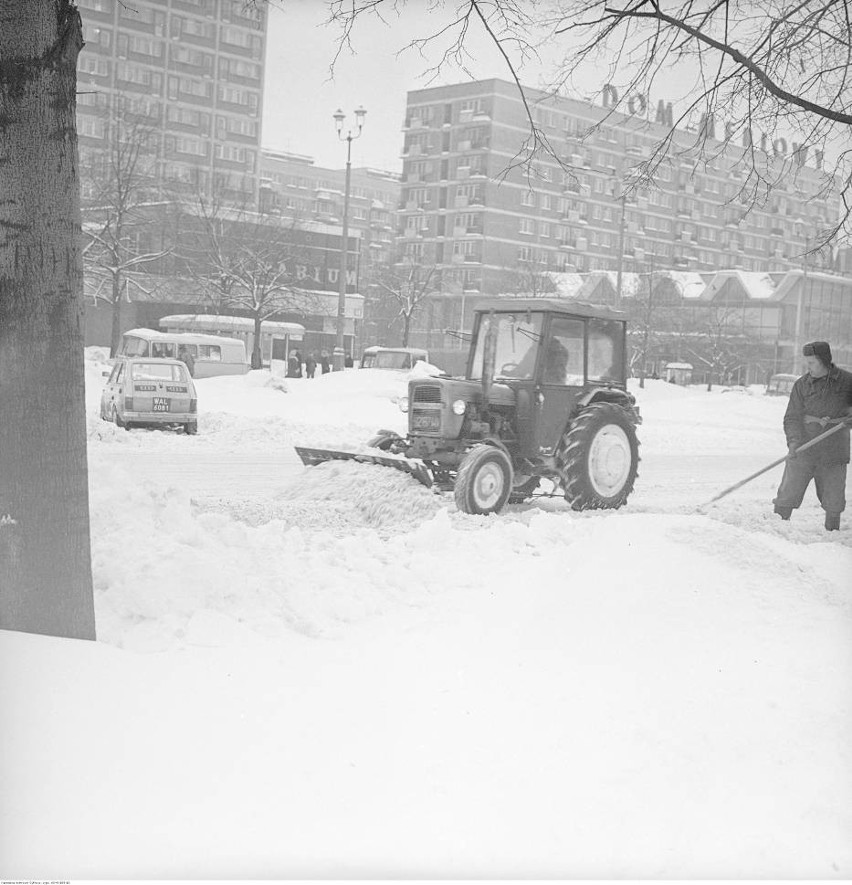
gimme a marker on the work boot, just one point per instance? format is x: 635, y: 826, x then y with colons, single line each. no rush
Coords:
x: 784, y: 512
x: 832, y: 522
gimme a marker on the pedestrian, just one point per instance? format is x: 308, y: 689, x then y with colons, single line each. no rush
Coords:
x: 294, y: 365
x: 348, y: 362
x: 310, y: 365
x: 324, y: 364
x: 185, y: 354
x: 820, y: 399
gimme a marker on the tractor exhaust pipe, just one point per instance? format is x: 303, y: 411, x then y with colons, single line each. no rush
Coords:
x: 489, y: 357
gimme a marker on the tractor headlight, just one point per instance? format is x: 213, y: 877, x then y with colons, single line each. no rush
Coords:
x: 403, y: 404
x: 459, y: 407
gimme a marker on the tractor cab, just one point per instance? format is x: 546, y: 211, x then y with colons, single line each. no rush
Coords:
x: 552, y: 354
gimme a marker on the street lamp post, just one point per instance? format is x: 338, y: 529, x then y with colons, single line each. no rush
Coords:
x: 338, y: 358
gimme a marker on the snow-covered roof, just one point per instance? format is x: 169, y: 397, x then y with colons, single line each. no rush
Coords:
x: 679, y: 366
x: 792, y: 278
x: 568, y: 285
x: 690, y: 284
x: 757, y: 285
x: 208, y: 322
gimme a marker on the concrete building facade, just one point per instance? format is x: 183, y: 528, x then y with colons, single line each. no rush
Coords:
x: 293, y: 186
x: 490, y: 224
x: 192, y: 70
x: 469, y: 206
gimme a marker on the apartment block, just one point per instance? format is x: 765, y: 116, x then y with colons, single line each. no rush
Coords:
x: 471, y: 208
x: 292, y: 185
x: 191, y: 72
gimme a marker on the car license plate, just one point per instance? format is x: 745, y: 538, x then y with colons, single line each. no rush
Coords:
x: 161, y: 404
x: 426, y: 422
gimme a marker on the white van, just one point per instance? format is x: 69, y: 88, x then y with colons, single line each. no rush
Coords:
x: 213, y: 354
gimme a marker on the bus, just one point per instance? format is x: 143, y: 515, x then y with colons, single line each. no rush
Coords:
x: 284, y: 334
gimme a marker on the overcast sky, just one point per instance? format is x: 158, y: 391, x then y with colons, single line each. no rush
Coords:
x: 300, y: 96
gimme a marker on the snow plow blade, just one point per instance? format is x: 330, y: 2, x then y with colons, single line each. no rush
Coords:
x: 312, y: 457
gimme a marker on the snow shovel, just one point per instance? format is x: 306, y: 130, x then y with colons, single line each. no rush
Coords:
x: 801, y: 448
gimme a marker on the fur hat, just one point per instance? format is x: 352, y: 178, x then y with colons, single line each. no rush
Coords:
x: 820, y: 350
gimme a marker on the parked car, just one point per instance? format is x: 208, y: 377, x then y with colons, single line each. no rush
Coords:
x: 392, y: 357
x: 781, y: 384
x: 150, y: 391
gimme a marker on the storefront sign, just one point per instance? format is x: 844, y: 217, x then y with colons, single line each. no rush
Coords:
x: 637, y: 104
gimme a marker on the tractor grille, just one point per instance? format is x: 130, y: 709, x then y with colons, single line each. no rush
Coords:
x: 427, y: 393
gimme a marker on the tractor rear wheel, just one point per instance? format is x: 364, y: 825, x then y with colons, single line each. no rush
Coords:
x: 598, y: 458
x: 483, y: 481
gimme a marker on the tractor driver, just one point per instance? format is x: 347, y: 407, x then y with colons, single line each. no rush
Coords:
x: 555, y: 362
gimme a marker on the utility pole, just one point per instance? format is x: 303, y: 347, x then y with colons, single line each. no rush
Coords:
x: 622, y: 227
x: 339, y: 355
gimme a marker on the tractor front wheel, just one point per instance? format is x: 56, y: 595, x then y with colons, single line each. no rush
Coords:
x: 598, y: 458
x: 483, y: 481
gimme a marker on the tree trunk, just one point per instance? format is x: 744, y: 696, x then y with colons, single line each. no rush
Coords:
x: 45, y: 556
x: 115, y: 337
x: 406, y: 328
x: 256, y: 352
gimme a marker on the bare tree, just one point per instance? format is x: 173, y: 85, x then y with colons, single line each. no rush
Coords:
x: 119, y: 187
x: 529, y: 278
x: 45, y: 557
x: 248, y: 262
x: 406, y: 288
x: 721, y: 344
x: 769, y: 79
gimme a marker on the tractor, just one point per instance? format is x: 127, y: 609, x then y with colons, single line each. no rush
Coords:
x: 544, y: 396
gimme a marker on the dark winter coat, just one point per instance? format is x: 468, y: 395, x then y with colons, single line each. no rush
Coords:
x: 188, y: 360
x: 827, y: 397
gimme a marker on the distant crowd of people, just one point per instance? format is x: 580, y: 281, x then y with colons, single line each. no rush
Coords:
x: 306, y: 367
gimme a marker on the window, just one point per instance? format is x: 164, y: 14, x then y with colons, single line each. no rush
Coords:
x: 527, y: 198
x: 91, y: 127
x: 157, y: 371
x: 234, y: 67
x: 183, y: 55
x: 162, y: 349
x: 243, y: 97
x: 527, y: 226
x: 210, y: 352
x: 97, y: 36
x: 197, y: 88
x: 516, y: 345
x: 88, y: 64
x: 464, y: 247
x: 133, y: 346
x: 606, y: 350
x: 140, y: 76
x: 563, y: 357
x: 544, y: 228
